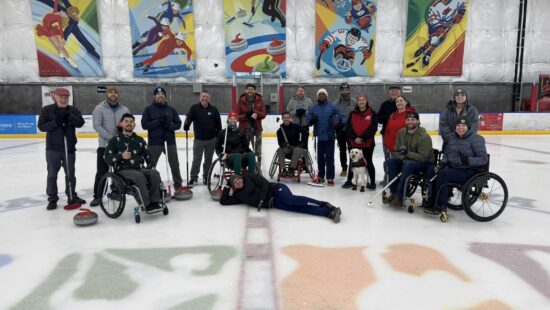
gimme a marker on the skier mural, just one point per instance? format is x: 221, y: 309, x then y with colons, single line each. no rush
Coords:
x: 436, y: 31
x: 162, y: 38
x: 345, y: 34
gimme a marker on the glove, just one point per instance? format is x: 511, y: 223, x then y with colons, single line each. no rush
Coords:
x: 463, y: 159
x: 324, y: 46
x: 186, y: 126
x: 314, y: 120
x: 300, y: 112
x: 403, y: 150
x: 62, y: 116
x: 260, y: 205
x: 366, y: 53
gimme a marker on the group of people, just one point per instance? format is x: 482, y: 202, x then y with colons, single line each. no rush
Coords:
x: 352, y: 122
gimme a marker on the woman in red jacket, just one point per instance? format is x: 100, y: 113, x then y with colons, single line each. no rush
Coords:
x: 361, y: 128
x: 396, y: 121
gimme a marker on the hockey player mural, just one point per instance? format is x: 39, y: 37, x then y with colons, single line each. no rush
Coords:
x: 345, y: 34
x: 435, y: 37
x: 163, y: 38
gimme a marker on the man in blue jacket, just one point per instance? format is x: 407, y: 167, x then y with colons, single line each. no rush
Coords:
x: 161, y: 122
x: 325, y: 117
x: 464, y: 156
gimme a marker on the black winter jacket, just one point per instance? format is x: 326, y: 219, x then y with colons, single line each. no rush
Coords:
x: 56, y: 132
x: 206, y: 121
x: 255, y: 188
x: 386, y: 109
x: 150, y: 121
x: 236, y: 142
x: 294, y: 133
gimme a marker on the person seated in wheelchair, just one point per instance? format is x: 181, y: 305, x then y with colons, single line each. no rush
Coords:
x: 257, y: 191
x: 127, y: 153
x: 233, y: 147
x: 464, y: 156
x: 412, y: 153
x: 291, y: 138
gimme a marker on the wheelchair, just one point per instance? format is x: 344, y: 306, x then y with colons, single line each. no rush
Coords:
x: 304, y: 163
x: 220, y: 172
x: 483, y: 196
x: 113, y: 190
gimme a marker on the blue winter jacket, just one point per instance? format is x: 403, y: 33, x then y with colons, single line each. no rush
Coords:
x: 150, y: 121
x: 471, y: 145
x: 328, y: 116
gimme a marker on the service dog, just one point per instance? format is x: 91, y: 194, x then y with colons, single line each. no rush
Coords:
x: 359, y: 168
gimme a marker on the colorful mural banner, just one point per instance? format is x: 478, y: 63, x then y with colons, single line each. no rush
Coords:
x: 255, y: 37
x: 67, y: 39
x: 163, y: 39
x: 345, y: 35
x: 436, y: 32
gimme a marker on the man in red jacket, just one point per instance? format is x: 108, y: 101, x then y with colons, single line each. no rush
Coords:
x: 251, y: 111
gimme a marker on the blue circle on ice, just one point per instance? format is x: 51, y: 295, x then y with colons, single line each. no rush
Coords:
x: 5, y: 260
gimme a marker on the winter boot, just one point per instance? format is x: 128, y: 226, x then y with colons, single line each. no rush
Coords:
x: 52, y: 205
x: 95, y: 202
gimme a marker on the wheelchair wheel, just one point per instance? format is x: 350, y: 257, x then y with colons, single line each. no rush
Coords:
x: 484, y: 196
x: 411, y: 184
x: 273, y: 168
x: 308, y: 164
x: 215, y: 176
x: 113, y: 194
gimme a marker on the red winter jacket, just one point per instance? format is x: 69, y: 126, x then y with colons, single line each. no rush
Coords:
x: 362, y: 125
x: 396, y: 121
x: 244, y: 112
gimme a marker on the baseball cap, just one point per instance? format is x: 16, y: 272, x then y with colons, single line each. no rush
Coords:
x: 159, y: 89
x: 460, y: 91
x: 232, y: 114
x: 413, y: 115
x: 60, y: 91
x: 344, y: 85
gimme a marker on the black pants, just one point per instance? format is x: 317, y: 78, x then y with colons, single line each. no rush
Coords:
x: 342, y: 138
x: 173, y: 161
x: 367, y: 155
x: 101, y: 169
x: 56, y: 160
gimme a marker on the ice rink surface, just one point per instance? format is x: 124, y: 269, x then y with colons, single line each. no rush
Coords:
x: 207, y: 256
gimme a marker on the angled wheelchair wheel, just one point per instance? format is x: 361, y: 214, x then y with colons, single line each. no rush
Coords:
x: 274, y: 167
x: 308, y: 164
x: 411, y: 184
x: 484, y: 196
x: 215, y: 176
x: 113, y: 194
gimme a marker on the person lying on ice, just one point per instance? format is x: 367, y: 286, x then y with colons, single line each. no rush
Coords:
x: 255, y: 190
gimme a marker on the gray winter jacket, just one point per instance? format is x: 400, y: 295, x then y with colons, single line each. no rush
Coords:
x: 295, y: 104
x: 105, y: 120
x: 447, y: 120
x: 346, y: 106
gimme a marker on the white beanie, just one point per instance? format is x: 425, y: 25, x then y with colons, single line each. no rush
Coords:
x: 322, y: 90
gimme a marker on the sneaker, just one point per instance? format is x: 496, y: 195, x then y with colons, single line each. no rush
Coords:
x: 52, y: 205
x: 347, y: 185
x: 94, y: 203
x: 320, y: 180
x: 387, y: 199
x: 194, y: 181
x: 344, y: 173
x: 114, y: 195
x: 371, y: 186
x: 330, y: 182
x: 396, y: 202
x: 77, y: 200
x: 335, y: 215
